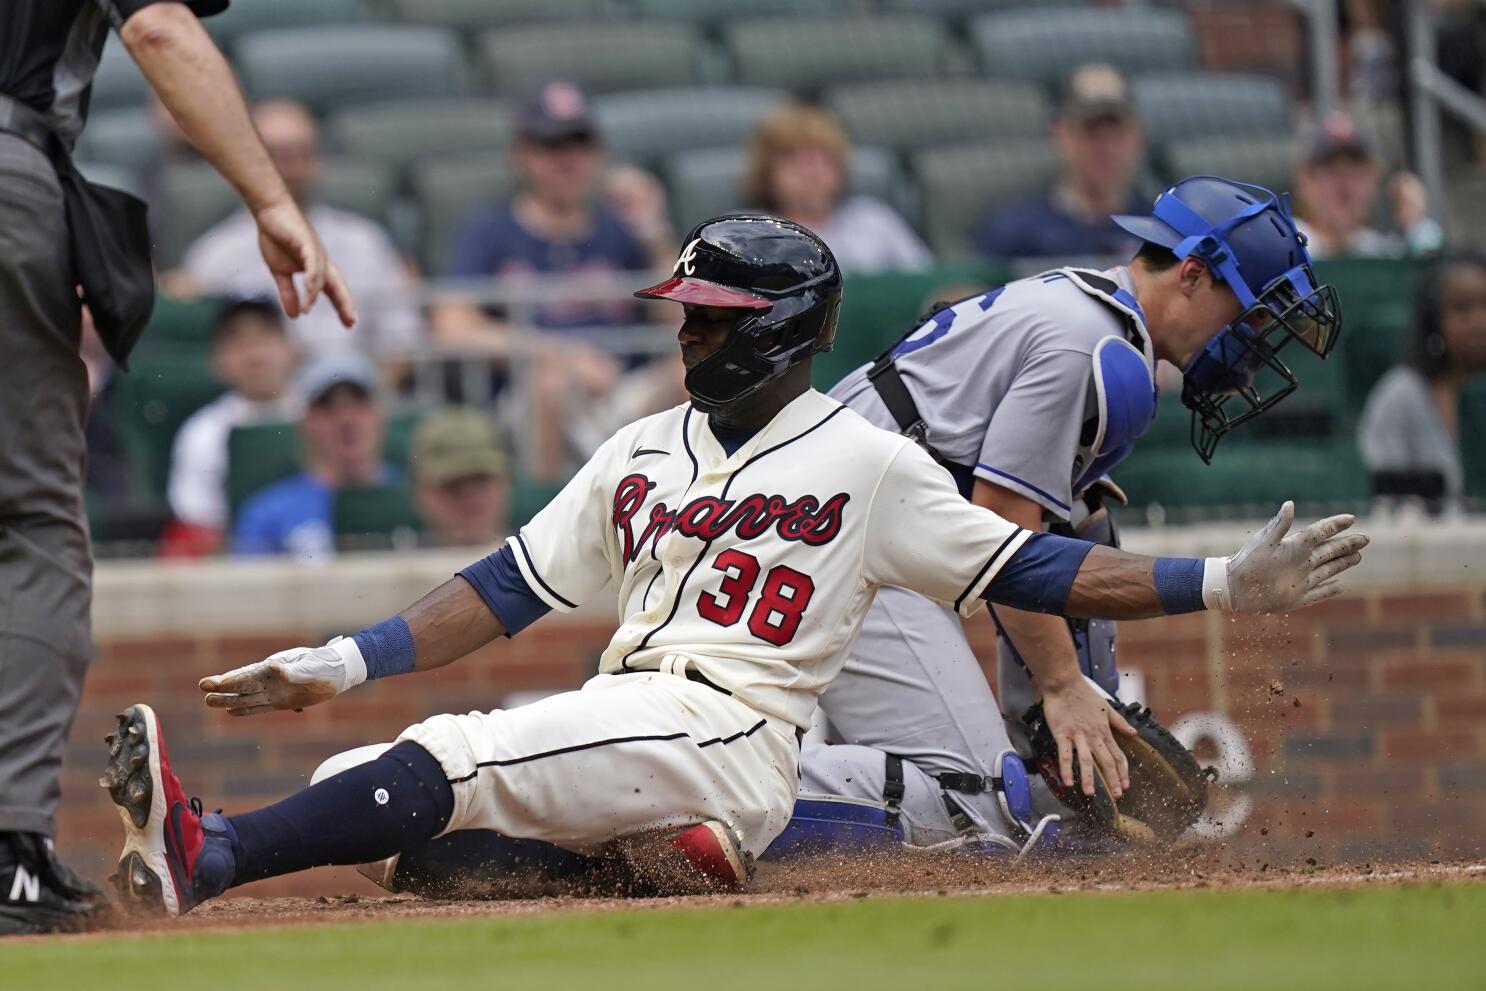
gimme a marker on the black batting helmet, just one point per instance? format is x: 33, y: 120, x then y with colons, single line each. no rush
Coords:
x: 782, y: 274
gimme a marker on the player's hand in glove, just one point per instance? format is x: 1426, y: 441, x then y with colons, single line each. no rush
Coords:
x: 290, y: 679
x: 1277, y: 570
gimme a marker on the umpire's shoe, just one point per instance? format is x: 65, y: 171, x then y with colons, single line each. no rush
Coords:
x: 38, y: 893
x: 174, y: 858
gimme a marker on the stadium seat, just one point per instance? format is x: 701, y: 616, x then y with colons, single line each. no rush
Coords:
x: 125, y: 137
x: 449, y: 190
x: 474, y: 15
x: 909, y: 114
x: 709, y: 182
x: 1044, y: 45
x: 258, y: 455
x: 331, y: 67
x: 647, y: 126
x: 1377, y: 298
x: 179, y: 325
x: 968, y: 8
x: 598, y: 57
x: 195, y: 197
x: 714, y: 13
x: 1262, y: 160
x: 154, y: 399
x: 118, y: 82
x: 404, y: 131
x: 960, y: 185
x: 244, y: 17
x: 1253, y: 477
x: 1189, y: 105
x: 806, y: 54
x: 371, y: 517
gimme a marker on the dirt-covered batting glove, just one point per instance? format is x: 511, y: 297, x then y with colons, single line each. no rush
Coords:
x: 290, y: 679
x: 1167, y: 792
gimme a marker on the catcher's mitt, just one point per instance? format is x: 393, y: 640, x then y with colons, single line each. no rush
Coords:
x: 1167, y: 792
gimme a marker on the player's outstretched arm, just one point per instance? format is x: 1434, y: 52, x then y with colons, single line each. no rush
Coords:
x: 443, y: 626
x: 1275, y: 571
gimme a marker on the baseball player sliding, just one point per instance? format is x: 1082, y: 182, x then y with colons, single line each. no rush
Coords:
x: 747, y: 532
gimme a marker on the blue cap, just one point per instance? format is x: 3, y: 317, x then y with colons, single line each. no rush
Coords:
x: 337, y: 368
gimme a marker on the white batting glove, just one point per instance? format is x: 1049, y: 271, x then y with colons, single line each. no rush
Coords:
x: 1276, y: 571
x: 290, y: 679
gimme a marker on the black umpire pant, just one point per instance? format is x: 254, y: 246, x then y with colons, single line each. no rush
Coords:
x: 45, y: 558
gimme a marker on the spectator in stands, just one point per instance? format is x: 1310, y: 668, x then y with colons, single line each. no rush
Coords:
x: 1410, y: 428
x: 1337, y: 186
x: 556, y: 225
x: 253, y: 357
x: 461, y: 479
x: 224, y: 259
x: 341, y: 430
x: 1100, y: 141
x: 798, y: 166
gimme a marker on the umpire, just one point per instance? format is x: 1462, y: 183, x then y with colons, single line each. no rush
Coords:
x: 49, y: 50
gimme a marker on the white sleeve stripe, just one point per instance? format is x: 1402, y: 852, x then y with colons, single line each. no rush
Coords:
x: 998, y: 558
x: 534, y: 580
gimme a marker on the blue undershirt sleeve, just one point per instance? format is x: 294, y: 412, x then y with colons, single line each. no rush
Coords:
x: 1040, y: 574
x: 498, y: 581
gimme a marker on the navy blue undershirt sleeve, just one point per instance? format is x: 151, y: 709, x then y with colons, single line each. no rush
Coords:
x: 1040, y: 574
x: 499, y: 582
x: 731, y: 439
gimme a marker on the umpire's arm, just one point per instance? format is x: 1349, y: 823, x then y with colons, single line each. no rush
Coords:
x: 195, y: 83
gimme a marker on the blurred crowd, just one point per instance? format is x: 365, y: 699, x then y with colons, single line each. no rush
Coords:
x: 555, y: 377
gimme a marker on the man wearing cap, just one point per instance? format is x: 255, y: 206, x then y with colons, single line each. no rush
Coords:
x: 341, y: 432
x: 1337, y: 183
x: 1101, y: 144
x: 461, y: 485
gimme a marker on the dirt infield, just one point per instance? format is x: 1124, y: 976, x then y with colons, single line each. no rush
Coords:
x: 830, y: 879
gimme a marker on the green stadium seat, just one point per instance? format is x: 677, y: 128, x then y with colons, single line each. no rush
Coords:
x: 124, y: 137
x: 178, y: 325
x: 244, y: 17
x: 449, y: 191
x: 474, y: 15
x: 405, y: 131
x: 1185, y: 106
x: 809, y: 53
x: 1473, y: 438
x: 529, y: 497
x: 1045, y: 45
x: 708, y: 182
x: 1377, y: 300
x: 598, y: 57
x: 877, y: 309
x: 258, y: 455
x: 331, y: 67
x: 646, y: 126
x: 194, y: 197
x: 714, y: 13
x: 910, y: 114
x: 1254, y: 477
x: 960, y: 185
x: 371, y: 517
x: 155, y: 397
x: 959, y: 9
x: 118, y: 83
x: 1263, y: 160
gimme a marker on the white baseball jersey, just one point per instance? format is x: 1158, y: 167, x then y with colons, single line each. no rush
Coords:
x: 758, y: 567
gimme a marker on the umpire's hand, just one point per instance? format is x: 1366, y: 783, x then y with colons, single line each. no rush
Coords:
x: 290, y: 679
x: 291, y: 247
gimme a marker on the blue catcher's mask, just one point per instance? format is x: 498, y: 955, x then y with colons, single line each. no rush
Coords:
x: 1255, y: 250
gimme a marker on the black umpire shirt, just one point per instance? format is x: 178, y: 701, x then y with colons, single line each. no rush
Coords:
x: 49, y: 51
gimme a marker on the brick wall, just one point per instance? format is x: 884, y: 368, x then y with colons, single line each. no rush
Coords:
x: 1366, y: 718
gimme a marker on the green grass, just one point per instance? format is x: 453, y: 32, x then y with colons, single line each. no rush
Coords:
x: 1416, y: 937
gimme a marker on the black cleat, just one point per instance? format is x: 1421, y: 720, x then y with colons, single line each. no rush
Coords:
x: 39, y: 893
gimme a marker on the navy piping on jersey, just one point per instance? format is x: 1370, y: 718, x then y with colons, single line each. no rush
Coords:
x: 1008, y: 475
x: 655, y: 738
x: 680, y: 591
x: 538, y: 576
x: 990, y: 562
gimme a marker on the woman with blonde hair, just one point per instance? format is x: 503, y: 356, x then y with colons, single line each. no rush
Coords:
x: 797, y: 169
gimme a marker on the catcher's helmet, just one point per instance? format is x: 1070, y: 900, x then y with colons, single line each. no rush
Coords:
x: 786, y: 279
x: 1249, y: 241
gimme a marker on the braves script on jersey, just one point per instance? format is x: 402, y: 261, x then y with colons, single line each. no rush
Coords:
x: 758, y: 567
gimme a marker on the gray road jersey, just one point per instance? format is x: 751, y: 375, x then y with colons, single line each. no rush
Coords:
x: 1004, y: 382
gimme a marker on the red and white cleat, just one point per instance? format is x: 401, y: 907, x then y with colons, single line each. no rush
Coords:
x: 716, y: 853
